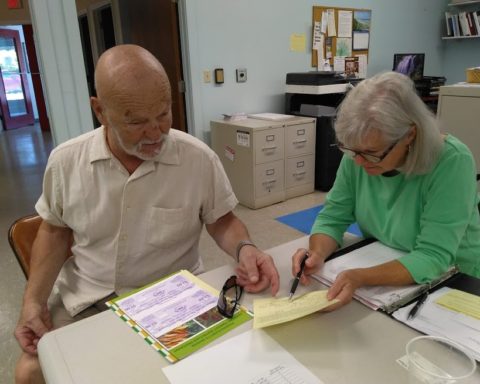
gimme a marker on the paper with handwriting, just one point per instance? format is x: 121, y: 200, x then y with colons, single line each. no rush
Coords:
x: 273, y: 311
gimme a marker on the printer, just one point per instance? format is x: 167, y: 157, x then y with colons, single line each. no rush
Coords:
x: 318, y: 94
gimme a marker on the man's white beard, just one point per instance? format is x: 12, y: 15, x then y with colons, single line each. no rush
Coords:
x: 136, y: 150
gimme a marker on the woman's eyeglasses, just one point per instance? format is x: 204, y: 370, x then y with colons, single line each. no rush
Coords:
x: 367, y: 156
x: 229, y: 297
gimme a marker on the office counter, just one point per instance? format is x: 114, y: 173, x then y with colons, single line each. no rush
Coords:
x: 351, y: 345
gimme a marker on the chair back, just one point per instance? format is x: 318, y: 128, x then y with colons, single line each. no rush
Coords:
x: 21, y: 235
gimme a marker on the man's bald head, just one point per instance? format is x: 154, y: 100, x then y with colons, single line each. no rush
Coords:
x: 129, y: 71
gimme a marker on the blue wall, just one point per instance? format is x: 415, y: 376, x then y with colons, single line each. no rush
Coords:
x: 254, y: 34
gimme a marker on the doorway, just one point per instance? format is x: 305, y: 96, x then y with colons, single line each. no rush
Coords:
x: 154, y: 25
x: 15, y: 100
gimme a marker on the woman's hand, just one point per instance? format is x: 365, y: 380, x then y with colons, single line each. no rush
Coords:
x: 313, y: 263
x: 344, y: 288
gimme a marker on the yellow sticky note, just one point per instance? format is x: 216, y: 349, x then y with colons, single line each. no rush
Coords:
x: 297, y: 42
x: 273, y: 311
x: 462, y: 302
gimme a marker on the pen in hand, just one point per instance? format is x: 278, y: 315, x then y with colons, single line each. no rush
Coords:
x: 413, y: 312
x: 299, y: 274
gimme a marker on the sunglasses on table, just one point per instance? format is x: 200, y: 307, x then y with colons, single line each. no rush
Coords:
x: 229, y: 298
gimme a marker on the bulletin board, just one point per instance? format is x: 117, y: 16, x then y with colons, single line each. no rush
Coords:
x: 334, y: 42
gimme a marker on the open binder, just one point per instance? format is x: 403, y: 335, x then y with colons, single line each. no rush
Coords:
x: 435, y: 319
x: 367, y: 253
x: 397, y: 302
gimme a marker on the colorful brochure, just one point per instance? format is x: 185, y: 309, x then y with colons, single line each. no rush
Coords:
x: 176, y: 315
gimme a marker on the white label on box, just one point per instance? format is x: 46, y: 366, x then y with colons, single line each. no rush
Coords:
x: 243, y: 139
x: 229, y: 153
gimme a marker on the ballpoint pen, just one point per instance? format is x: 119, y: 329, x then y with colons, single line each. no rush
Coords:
x: 299, y: 274
x: 413, y: 312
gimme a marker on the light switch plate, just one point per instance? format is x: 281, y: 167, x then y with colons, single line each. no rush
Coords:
x: 241, y: 75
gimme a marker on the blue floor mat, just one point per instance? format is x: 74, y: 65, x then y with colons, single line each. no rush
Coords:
x: 303, y: 220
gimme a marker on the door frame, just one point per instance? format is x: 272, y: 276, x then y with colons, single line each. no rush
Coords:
x: 28, y: 118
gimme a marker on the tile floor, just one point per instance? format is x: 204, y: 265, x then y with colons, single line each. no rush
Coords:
x: 23, y: 155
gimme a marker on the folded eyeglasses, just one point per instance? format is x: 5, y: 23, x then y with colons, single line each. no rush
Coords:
x: 229, y: 297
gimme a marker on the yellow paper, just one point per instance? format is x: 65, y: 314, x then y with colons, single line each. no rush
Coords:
x: 297, y: 42
x: 462, y: 302
x: 273, y: 311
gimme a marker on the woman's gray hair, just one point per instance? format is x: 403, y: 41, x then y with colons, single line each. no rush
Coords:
x: 388, y: 102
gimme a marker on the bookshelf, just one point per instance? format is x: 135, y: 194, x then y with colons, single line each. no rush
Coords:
x: 463, y: 22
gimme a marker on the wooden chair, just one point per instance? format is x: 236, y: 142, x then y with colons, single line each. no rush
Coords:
x: 20, y: 236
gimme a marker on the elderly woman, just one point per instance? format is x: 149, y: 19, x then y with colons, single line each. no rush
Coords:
x: 405, y: 183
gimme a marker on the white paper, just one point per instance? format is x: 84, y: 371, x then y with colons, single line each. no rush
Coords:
x: 250, y: 358
x: 339, y: 64
x: 332, y: 29
x: 368, y: 256
x: 317, y: 36
x: 243, y: 139
x: 360, y: 40
x: 345, y: 19
x: 324, y: 25
x: 362, y: 66
x: 434, y: 319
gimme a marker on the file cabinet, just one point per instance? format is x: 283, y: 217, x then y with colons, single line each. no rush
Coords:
x: 459, y: 114
x: 266, y: 161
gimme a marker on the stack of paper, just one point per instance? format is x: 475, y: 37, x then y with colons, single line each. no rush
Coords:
x: 236, y: 116
x: 271, y: 116
x: 387, y: 298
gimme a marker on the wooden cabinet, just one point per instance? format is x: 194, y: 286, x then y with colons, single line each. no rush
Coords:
x: 267, y: 161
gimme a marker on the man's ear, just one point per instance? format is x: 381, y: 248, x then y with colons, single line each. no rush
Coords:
x: 98, y: 109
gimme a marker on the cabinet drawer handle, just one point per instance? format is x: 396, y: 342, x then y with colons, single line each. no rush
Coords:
x: 300, y: 141
x: 297, y: 174
x: 269, y: 182
x: 269, y: 148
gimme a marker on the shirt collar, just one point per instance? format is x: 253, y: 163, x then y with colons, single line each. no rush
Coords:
x: 99, y: 149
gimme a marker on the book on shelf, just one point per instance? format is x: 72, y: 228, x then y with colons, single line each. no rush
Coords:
x: 449, y: 23
x: 369, y: 253
x: 176, y: 315
x: 463, y: 24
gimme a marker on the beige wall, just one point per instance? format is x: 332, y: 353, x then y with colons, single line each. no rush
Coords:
x: 14, y: 16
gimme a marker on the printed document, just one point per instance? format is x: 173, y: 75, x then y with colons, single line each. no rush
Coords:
x: 176, y: 315
x: 435, y: 319
x: 260, y: 359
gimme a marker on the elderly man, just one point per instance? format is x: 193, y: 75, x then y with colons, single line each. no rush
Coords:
x: 128, y: 201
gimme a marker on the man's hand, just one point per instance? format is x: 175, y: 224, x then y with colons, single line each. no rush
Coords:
x: 256, y: 271
x: 344, y: 288
x: 313, y: 263
x: 34, y: 322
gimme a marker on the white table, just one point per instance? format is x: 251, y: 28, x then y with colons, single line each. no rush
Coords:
x: 351, y: 345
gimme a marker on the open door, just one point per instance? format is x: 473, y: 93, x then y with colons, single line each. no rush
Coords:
x: 15, y: 101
